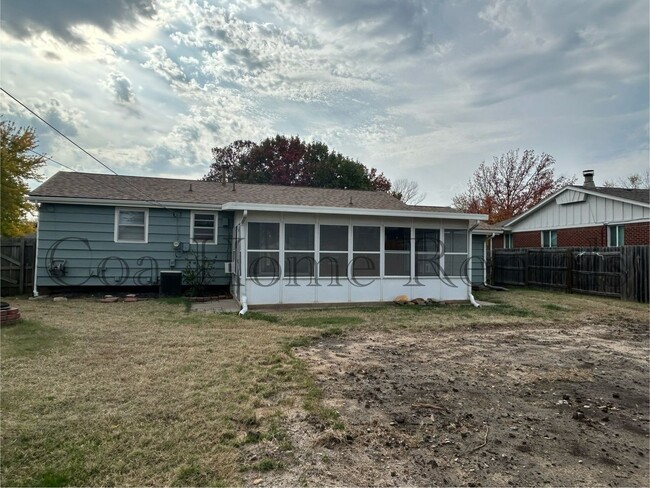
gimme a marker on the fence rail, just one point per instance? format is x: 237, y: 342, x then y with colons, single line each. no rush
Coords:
x: 17, y: 256
x: 609, y: 271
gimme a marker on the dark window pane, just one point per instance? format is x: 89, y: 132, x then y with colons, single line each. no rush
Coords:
x: 366, y: 238
x: 455, y: 240
x: 333, y: 237
x: 333, y: 264
x: 427, y: 264
x: 455, y: 265
x: 398, y: 264
x: 365, y: 265
x: 427, y: 240
x: 299, y: 264
x: 264, y: 264
x: 130, y: 233
x: 299, y: 237
x: 397, y: 239
x: 262, y: 235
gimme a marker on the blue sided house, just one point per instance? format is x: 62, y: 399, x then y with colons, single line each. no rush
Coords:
x: 270, y: 244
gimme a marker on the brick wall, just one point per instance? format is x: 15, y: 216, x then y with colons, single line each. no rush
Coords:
x: 637, y: 234
x: 497, y: 242
x: 527, y: 239
x: 582, y: 237
x: 596, y: 236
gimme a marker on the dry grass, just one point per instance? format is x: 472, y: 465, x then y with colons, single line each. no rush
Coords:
x: 147, y: 393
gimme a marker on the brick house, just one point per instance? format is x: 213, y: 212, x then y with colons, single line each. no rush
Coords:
x: 580, y: 216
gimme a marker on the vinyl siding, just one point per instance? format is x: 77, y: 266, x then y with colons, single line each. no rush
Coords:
x: 594, y: 210
x: 83, y: 236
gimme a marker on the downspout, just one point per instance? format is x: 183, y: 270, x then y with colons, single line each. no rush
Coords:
x: 38, y: 228
x: 244, y: 298
x: 472, y: 300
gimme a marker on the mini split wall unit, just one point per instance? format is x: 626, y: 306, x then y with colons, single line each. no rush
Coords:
x: 270, y: 244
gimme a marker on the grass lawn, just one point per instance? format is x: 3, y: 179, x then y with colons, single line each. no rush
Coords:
x: 149, y: 393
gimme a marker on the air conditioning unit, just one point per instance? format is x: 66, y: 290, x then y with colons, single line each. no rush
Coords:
x: 228, y: 268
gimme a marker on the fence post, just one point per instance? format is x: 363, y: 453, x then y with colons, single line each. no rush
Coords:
x: 526, y: 269
x: 569, y: 270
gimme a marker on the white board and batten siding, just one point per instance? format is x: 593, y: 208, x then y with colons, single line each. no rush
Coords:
x: 578, y: 209
x: 262, y: 291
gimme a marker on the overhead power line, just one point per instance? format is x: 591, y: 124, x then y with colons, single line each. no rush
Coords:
x: 31, y: 111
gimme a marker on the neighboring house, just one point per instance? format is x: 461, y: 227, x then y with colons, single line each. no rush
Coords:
x: 272, y: 244
x: 580, y: 216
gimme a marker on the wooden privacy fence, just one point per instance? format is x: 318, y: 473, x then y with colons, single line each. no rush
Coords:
x: 609, y: 271
x: 17, y: 256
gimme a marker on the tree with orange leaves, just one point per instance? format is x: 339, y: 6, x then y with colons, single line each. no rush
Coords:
x: 510, y: 185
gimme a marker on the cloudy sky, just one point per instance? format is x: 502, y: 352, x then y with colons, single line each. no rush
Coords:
x: 419, y: 89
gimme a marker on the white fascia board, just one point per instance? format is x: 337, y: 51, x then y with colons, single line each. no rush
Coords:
x: 611, y: 197
x: 485, y: 232
x: 124, y: 203
x: 622, y: 222
x: 351, y: 211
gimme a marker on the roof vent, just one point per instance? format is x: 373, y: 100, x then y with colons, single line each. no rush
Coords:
x: 589, y: 178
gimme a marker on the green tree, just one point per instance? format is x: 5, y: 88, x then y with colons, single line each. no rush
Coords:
x: 16, y: 167
x: 290, y: 161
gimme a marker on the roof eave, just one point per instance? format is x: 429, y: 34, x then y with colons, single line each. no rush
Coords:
x: 351, y: 211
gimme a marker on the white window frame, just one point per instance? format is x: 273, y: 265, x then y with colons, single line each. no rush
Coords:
x: 615, y: 230
x: 508, y: 241
x: 448, y: 253
x: 216, y: 226
x: 550, y: 240
x: 378, y: 253
x: 116, y: 224
x: 285, y: 251
x: 399, y: 252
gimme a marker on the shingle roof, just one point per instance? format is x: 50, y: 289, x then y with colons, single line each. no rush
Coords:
x: 165, y: 190
x: 637, y: 195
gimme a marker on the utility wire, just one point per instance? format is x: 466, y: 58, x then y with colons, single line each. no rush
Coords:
x: 76, y: 145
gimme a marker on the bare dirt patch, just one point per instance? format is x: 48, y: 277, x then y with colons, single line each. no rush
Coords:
x: 530, y: 404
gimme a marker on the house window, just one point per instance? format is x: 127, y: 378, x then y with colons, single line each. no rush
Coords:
x: 333, y: 258
x: 263, y: 249
x: 131, y: 225
x: 427, y: 252
x: 299, y: 250
x: 455, y: 252
x: 204, y: 228
x: 507, y: 241
x: 616, y: 235
x: 397, y: 251
x: 549, y: 238
x: 367, y: 251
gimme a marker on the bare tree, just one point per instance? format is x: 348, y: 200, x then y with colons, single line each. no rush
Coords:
x: 408, y: 191
x: 636, y: 181
x: 510, y: 185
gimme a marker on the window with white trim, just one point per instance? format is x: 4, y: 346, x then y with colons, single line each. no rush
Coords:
x: 299, y: 250
x: 616, y: 235
x: 397, y: 251
x: 455, y: 252
x: 507, y: 241
x: 333, y: 257
x: 131, y: 224
x: 203, y: 227
x: 263, y: 249
x: 367, y: 251
x: 549, y: 238
x: 427, y: 252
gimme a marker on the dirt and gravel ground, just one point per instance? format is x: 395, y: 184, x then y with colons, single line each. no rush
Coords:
x: 564, y: 404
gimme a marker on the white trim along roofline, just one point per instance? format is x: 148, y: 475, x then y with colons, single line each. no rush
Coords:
x: 265, y: 207
x: 552, y: 197
x: 378, y: 212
